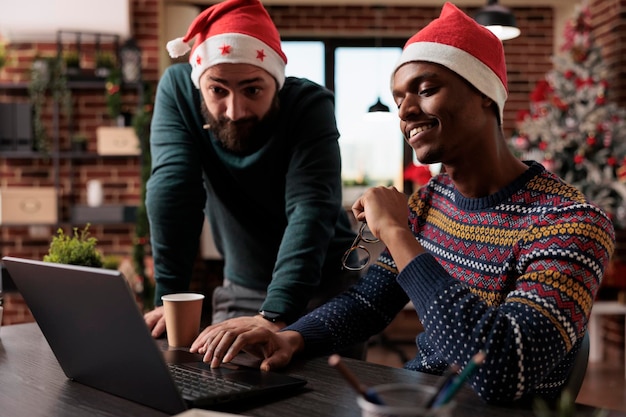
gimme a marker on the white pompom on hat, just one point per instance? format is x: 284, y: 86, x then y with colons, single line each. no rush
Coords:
x: 236, y: 32
x: 460, y: 44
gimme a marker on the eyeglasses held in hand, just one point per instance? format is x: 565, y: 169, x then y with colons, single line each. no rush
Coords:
x: 357, y: 257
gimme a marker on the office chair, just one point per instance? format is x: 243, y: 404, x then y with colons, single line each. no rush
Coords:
x: 575, y: 380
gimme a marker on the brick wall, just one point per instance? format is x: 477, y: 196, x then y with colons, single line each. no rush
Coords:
x: 528, y: 56
x: 119, y: 175
x: 15, y: 310
x: 610, y: 32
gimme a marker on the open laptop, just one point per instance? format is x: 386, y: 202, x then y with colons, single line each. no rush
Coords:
x: 93, y: 324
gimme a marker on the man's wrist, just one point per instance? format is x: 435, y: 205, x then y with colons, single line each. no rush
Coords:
x: 272, y: 316
x: 294, y: 339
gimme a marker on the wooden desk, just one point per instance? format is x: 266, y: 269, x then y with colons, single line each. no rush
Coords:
x: 33, y: 385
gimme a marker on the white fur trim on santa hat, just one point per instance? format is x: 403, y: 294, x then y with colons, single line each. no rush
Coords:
x: 236, y: 48
x: 461, y: 62
x: 177, y: 47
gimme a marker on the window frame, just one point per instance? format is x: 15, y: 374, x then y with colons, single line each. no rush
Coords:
x: 330, y: 44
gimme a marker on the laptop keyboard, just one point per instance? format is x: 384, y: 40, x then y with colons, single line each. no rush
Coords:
x: 195, y: 384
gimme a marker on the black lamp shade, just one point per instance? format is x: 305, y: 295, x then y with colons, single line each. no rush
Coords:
x: 499, y: 19
x: 378, y: 107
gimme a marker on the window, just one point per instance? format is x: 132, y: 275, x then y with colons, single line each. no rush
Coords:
x: 305, y: 59
x: 371, y: 143
x: 372, y: 147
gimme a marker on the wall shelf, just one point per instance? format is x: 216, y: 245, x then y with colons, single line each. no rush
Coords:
x: 74, y: 155
x: 67, y: 167
x: 6, y: 86
x: 105, y: 214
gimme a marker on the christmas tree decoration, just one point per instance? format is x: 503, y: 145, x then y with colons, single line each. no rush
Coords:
x: 571, y: 126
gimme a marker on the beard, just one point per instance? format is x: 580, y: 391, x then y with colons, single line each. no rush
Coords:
x: 243, y: 136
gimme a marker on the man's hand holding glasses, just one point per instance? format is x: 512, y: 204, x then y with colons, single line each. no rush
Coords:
x: 358, y: 256
x: 386, y: 211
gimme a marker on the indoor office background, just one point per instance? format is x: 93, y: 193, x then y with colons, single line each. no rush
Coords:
x: 348, y: 45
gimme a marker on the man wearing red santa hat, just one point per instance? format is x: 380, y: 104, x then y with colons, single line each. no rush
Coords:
x: 499, y: 256
x: 233, y: 137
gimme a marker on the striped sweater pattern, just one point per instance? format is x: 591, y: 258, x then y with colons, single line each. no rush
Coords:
x: 513, y: 274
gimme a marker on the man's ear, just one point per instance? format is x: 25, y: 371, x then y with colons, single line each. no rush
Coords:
x: 489, y: 103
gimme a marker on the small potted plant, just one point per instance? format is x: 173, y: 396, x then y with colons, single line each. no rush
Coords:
x: 3, y: 54
x: 78, y: 249
x: 72, y: 63
x: 105, y: 62
x: 47, y: 78
x: 79, y: 142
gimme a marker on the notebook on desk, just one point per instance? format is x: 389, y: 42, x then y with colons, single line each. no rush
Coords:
x: 93, y: 325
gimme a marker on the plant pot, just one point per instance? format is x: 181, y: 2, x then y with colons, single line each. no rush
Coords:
x: 72, y: 71
x: 41, y: 71
x: 102, y: 72
x: 79, y: 146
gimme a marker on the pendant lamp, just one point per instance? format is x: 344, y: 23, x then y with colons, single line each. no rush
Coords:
x: 379, y: 106
x: 498, y: 19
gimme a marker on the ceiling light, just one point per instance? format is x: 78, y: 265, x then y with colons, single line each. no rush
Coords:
x: 378, y: 106
x: 499, y: 20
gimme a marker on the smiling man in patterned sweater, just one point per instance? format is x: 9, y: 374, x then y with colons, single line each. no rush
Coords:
x: 498, y: 255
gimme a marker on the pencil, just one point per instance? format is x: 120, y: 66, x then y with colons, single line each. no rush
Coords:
x: 458, y: 381
x: 370, y: 395
x: 448, y: 376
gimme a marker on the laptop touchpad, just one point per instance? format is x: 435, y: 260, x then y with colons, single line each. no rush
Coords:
x: 181, y: 356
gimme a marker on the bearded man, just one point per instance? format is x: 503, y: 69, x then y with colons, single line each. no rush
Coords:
x: 257, y: 152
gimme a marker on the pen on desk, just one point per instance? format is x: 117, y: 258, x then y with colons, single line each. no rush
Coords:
x: 448, y: 376
x: 370, y: 395
x: 457, y: 382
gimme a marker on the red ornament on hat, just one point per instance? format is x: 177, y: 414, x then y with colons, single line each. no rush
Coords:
x: 234, y: 31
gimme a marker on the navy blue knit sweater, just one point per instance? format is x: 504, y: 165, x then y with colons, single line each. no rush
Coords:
x: 514, y: 274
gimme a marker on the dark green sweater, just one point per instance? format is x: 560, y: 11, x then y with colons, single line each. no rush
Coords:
x: 276, y: 214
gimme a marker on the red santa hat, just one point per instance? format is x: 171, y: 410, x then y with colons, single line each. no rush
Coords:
x: 236, y: 32
x: 457, y: 42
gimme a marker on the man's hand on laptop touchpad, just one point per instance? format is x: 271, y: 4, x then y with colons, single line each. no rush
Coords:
x: 246, y: 359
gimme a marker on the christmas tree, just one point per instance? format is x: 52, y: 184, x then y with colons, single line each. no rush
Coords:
x: 571, y: 127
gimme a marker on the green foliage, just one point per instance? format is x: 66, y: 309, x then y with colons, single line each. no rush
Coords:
x: 72, y: 60
x: 79, y: 249
x: 47, y: 76
x: 565, y: 407
x: 79, y: 138
x: 105, y: 60
x: 111, y: 262
x: 141, y: 124
x: 39, y: 79
x: 114, y: 93
x: 3, y: 54
x: 356, y: 182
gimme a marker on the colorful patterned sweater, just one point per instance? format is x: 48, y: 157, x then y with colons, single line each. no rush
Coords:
x: 514, y: 274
